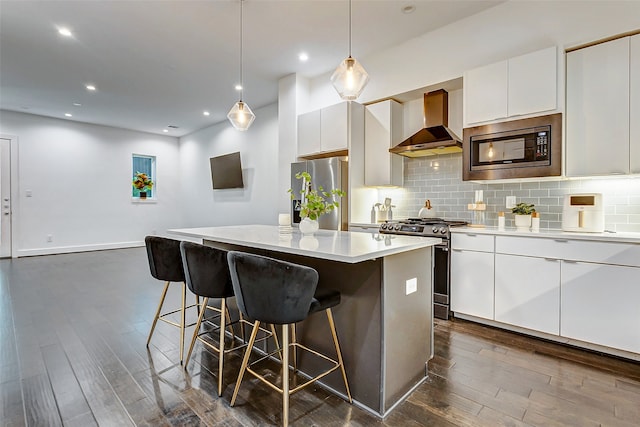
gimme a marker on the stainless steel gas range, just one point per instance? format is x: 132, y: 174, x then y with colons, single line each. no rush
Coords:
x: 431, y: 227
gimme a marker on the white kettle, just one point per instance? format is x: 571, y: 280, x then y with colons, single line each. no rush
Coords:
x: 427, y: 211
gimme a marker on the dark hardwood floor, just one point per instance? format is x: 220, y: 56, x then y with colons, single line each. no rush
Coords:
x: 72, y: 352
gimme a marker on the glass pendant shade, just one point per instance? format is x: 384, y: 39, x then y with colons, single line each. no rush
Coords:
x: 349, y: 79
x: 241, y: 116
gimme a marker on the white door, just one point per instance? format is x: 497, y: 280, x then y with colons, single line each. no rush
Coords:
x: 5, y: 198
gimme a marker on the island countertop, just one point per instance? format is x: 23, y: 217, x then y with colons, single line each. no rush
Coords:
x: 343, y: 246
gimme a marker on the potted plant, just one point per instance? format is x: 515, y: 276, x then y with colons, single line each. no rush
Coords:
x: 315, y: 202
x: 142, y: 183
x: 522, y: 212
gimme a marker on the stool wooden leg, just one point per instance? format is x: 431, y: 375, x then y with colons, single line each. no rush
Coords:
x: 335, y: 341
x: 182, y: 320
x: 285, y: 375
x: 241, y: 324
x: 295, y: 349
x: 198, y: 305
x: 226, y: 311
x: 245, y: 360
x: 155, y: 319
x: 221, y: 344
x: 195, y: 333
x: 275, y: 338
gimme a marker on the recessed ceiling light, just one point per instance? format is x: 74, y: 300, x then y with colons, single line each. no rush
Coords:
x: 206, y: 113
x: 238, y: 87
x: 77, y: 104
x: 65, y: 32
x: 409, y: 9
x: 303, y: 56
x: 68, y: 114
x: 165, y: 130
x: 90, y: 87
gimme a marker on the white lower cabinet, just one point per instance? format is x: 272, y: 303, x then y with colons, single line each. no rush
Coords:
x: 573, y: 289
x: 527, y: 292
x: 472, y: 283
x: 601, y: 304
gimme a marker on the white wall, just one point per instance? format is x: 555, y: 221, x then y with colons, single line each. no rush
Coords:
x: 79, y: 176
x: 292, y: 97
x: 501, y: 32
x: 256, y: 203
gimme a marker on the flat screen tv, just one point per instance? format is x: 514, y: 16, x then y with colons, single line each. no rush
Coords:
x: 226, y: 171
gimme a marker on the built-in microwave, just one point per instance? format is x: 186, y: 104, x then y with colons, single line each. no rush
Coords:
x: 522, y: 148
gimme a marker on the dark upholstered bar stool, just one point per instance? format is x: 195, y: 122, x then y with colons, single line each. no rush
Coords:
x: 281, y: 293
x: 207, y: 274
x: 165, y: 263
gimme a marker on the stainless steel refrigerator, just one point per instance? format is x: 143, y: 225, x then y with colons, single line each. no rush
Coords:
x: 330, y: 173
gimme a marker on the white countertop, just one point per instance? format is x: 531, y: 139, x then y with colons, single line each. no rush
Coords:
x: 552, y: 234
x: 343, y: 246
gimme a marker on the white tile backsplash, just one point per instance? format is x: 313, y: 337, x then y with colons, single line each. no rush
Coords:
x: 439, y: 179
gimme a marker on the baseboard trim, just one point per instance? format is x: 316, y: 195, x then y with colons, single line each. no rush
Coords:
x: 555, y: 338
x: 79, y: 248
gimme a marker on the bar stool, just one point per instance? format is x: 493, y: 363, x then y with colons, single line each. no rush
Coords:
x: 281, y: 293
x: 165, y: 263
x: 207, y: 275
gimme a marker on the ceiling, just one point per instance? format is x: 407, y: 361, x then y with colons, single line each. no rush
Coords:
x: 163, y: 63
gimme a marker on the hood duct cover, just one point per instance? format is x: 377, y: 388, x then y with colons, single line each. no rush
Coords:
x: 435, y: 137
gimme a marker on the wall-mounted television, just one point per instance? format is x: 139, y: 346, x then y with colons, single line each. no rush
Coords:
x: 226, y: 171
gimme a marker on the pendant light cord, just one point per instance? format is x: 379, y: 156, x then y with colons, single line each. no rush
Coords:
x: 349, y: 28
x: 241, y: 76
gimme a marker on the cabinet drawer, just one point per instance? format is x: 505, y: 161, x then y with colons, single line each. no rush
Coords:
x: 472, y: 242
x: 571, y: 250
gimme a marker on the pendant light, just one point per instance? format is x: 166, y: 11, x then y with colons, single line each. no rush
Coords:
x: 350, y: 78
x: 240, y: 114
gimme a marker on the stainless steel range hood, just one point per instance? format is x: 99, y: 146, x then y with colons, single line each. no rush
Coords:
x: 435, y: 137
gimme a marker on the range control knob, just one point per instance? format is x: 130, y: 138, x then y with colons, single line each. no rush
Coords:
x: 443, y: 230
x: 383, y: 226
x: 397, y: 227
x: 434, y: 229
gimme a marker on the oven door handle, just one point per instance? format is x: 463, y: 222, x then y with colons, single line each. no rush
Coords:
x: 443, y: 246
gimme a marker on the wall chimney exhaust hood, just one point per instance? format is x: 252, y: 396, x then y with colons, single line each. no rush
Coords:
x: 435, y: 137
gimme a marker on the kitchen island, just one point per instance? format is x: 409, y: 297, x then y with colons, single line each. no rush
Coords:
x: 384, y: 320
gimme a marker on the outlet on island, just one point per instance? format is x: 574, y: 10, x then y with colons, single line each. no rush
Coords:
x: 49, y: 238
x: 411, y: 286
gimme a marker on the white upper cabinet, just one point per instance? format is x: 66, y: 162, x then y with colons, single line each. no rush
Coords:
x: 526, y: 84
x: 532, y: 82
x: 334, y: 127
x: 634, y: 103
x: 597, y: 114
x: 382, y: 130
x: 485, y: 93
x: 325, y: 130
x: 309, y: 133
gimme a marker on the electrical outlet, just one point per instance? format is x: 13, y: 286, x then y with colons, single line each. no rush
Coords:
x: 411, y: 286
x: 49, y: 238
x: 28, y: 193
x: 511, y: 202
